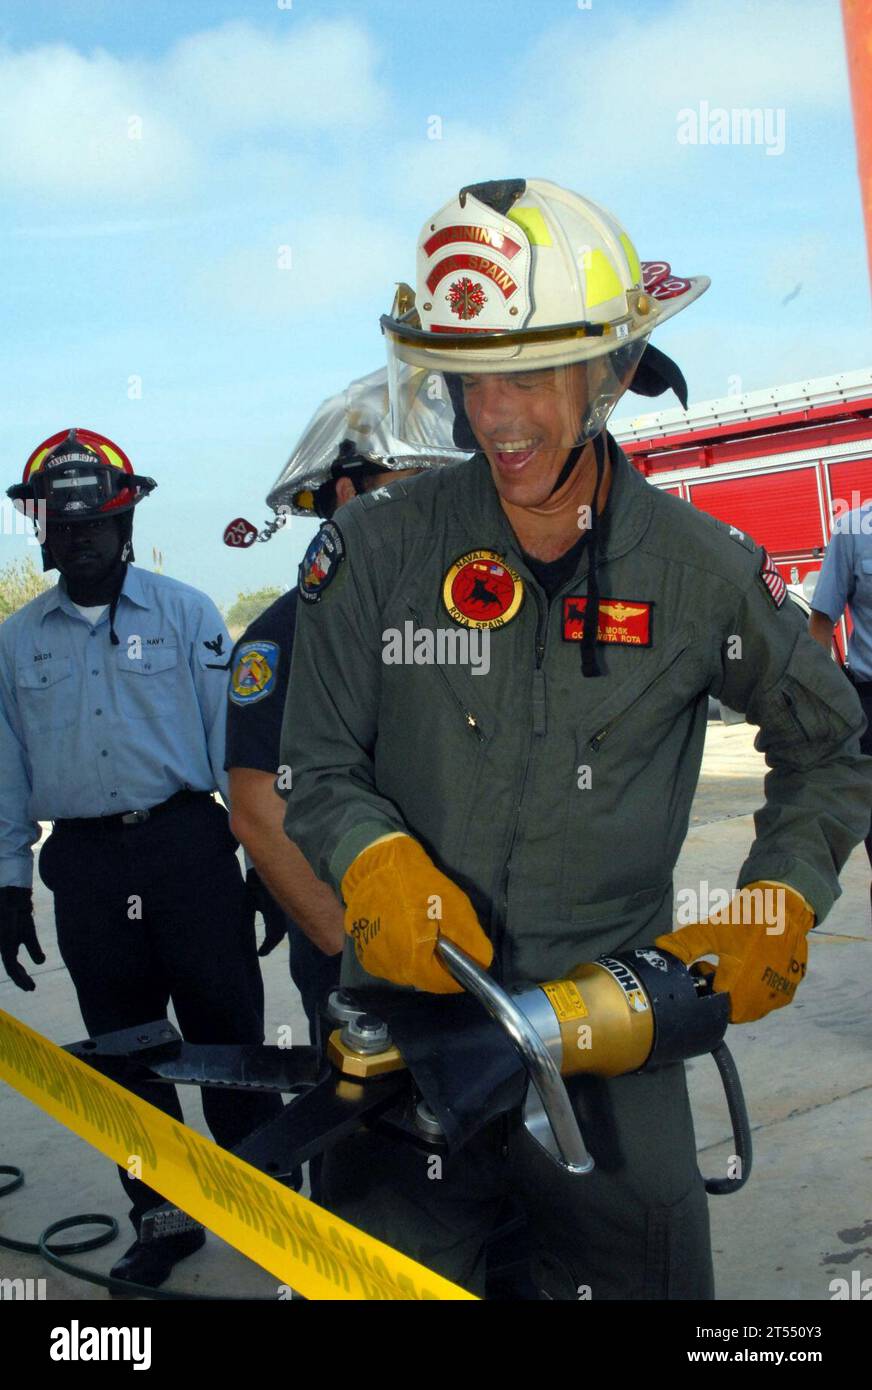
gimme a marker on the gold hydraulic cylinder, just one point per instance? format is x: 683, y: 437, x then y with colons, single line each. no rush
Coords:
x: 598, y: 1019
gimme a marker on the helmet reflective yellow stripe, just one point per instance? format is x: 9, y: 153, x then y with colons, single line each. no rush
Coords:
x: 632, y: 259
x: 602, y: 281
x: 113, y: 456
x: 95, y: 446
x: 38, y: 460
x: 533, y: 223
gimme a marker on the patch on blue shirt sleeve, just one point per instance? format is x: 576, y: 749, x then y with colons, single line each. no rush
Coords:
x: 254, y: 672
x: 213, y: 654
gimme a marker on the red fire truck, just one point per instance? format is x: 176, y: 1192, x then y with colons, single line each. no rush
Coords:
x: 780, y: 464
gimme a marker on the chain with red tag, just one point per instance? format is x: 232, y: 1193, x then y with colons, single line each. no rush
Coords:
x: 240, y: 534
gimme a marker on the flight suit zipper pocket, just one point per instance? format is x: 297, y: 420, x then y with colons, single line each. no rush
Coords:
x: 598, y: 739
x: 791, y: 709
x: 468, y: 717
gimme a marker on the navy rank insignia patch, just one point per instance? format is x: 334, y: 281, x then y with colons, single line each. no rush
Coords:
x: 254, y: 672
x: 775, y: 586
x: 481, y: 590
x: 321, y: 562
x: 626, y: 623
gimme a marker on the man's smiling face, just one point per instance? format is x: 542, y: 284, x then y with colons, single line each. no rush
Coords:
x: 526, y: 423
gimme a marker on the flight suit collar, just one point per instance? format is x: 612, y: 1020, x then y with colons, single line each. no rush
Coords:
x: 623, y: 523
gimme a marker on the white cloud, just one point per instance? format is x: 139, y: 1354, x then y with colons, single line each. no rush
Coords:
x: 594, y: 106
x: 614, y: 94
x: 86, y: 231
x: 240, y: 78
x: 430, y: 171
x: 133, y: 131
x: 67, y: 124
x: 732, y: 54
x: 318, y: 262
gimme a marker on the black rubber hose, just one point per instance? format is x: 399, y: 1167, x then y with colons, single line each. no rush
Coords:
x: 718, y: 1187
x: 53, y: 1254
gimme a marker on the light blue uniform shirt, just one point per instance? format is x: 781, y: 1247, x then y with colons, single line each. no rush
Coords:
x: 88, y: 728
x: 846, y: 578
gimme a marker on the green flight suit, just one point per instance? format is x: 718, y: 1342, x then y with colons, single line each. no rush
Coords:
x: 559, y: 803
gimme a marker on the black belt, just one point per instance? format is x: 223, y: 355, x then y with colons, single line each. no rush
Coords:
x: 125, y: 818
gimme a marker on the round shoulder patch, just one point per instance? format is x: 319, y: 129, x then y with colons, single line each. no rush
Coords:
x: 254, y: 672
x: 320, y: 564
x: 481, y: 590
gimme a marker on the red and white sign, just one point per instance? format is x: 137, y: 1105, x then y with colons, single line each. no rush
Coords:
x: 240, y: 533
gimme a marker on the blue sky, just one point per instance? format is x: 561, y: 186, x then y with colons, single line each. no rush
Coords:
x: 141, y: 289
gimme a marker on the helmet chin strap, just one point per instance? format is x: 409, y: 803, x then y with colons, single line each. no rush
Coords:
x: 571, y: 460
x: 124, y: 558
x: 589, y: 662
x: 590, y: 415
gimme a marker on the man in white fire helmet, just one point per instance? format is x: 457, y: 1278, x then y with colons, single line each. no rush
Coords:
x: 541, y: 807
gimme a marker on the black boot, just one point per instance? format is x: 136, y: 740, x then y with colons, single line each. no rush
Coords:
x: 151, y: 1263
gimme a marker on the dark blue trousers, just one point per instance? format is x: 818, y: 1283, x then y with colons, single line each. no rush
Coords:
x: 156, y: 912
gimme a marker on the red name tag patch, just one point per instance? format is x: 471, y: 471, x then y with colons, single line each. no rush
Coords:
x: 622, y: 621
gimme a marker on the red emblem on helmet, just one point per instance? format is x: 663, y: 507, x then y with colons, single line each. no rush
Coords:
x: 481, y: 590
x: 240, y: 533
x: 466, y: 298
x: 660, y: 283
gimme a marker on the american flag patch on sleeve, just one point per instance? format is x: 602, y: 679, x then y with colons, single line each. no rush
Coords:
x: 775, y: 585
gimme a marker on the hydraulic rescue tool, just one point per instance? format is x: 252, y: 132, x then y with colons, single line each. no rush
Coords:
x: 435, y: 1069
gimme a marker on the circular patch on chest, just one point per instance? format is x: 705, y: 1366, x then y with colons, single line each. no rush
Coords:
x: 481, y: 590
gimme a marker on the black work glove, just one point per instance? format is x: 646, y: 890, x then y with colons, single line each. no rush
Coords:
x: 274, y: 920
x: 17, y: 929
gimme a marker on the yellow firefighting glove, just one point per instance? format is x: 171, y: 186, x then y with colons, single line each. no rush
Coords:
x: 396, y: 904
x: 760, y: 942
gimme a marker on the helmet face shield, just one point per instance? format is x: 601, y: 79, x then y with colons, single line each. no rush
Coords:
x: 548, y: 408
x: 73, y: 492
x: 80, y: 492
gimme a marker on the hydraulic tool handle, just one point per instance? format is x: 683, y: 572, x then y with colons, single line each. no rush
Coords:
x: 538, y: 1061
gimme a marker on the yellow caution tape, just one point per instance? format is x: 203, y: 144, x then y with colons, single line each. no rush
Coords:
x: 305, y: 1247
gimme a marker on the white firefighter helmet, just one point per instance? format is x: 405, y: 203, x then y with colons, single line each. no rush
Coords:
x: 519, y: 277
x: 353, y: 428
